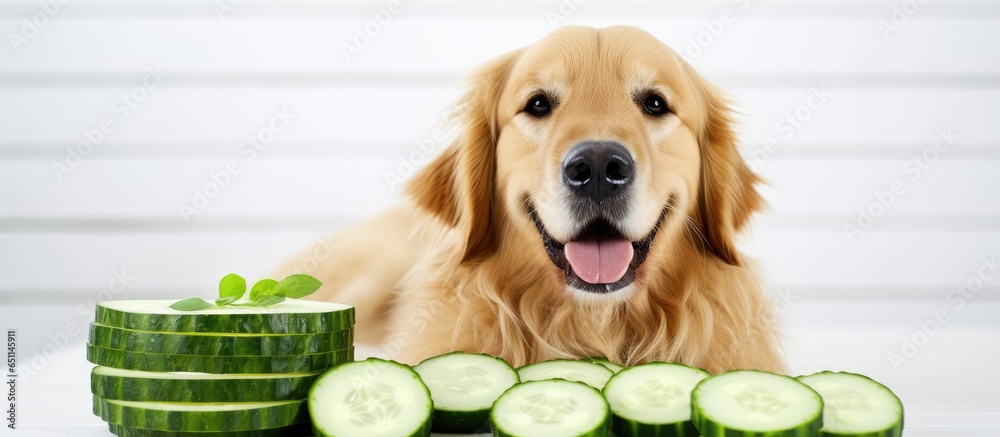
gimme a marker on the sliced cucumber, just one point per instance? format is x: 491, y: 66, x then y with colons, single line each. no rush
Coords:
x: 464, y: 387
x: 216, y: 344
x: 551, y: 408
x: 587, y: 372
x: 855, y: 405
x: 653, y: 400
x: 133, y: 385
x: 285, y: 431
x: 371, y: 398
x: 292, y: 316
x: 129, y: 360
x: 611, y: 365
x: 201, y: 417
x: 753, y: 403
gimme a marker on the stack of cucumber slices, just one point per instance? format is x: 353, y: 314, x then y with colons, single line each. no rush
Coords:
x: 223, y: 371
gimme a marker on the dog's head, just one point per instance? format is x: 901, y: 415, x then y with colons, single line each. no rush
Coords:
x: 599, y: 142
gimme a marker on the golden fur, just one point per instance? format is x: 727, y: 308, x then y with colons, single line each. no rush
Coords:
x: 460, y: 265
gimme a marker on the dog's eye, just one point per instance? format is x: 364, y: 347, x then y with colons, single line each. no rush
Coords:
x: 538, y: 105
x: 654, y: 104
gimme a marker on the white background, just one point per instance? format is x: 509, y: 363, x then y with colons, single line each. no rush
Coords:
x: 848, y: 305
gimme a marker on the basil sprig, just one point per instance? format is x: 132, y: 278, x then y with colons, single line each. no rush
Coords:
x: 264, y: 293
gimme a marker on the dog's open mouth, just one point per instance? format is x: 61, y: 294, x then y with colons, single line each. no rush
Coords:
x: 599, y: 259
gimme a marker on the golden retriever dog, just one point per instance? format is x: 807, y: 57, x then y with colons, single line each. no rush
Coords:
x: 588, y: 207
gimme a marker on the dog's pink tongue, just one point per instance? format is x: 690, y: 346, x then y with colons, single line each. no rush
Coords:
x: 599, y: 262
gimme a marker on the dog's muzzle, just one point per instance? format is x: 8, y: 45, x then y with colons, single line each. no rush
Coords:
x: 599, y: 258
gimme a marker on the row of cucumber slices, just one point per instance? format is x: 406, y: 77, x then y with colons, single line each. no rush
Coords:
x: 467, y: 393
x: 461, y: 392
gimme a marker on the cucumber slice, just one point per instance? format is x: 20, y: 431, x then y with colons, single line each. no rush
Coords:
x: 594, y: 375
x: 201, y: 417
x: 292, y: 316
x: 754, y: 403
x: 653, y: 400
x: 464, y: 387
x: 285, y: 431
x: 611, y: 365
x: 371, y: 398
x: 551, y: 408
x: 216, y: 344
x: 133, y: 385
x: 129, y: 360
x: 855, y: 405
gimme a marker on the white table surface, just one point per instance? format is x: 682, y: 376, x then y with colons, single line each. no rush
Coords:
x: 948, y: 389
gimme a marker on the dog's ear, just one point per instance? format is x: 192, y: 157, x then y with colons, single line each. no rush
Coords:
x: 458, y: 186
x: 728, y: 194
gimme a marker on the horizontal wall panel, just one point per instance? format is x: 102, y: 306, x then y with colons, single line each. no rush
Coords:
x: 193, y: 261
x: 301, y: 188
x: 362, y: 115
x: 949, y: 189
x: 848, y: 117
x: 414, y: 44
x: 899, y: 259
x: 498, y: 8
x: 189, y: 263
x: 159, y: 188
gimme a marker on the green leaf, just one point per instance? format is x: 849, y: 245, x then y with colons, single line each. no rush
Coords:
x: 261, y: 288
x: 192, y: 304
x: 223, y: 301
x: 299, y: 286
x: 232, y: 285
x: 268, y: 300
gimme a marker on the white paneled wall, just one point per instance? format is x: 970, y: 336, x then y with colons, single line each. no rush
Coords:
x: 62, y: 235
x: 885, y: 102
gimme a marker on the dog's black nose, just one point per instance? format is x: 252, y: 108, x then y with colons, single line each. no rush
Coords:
x: 598, y: 169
